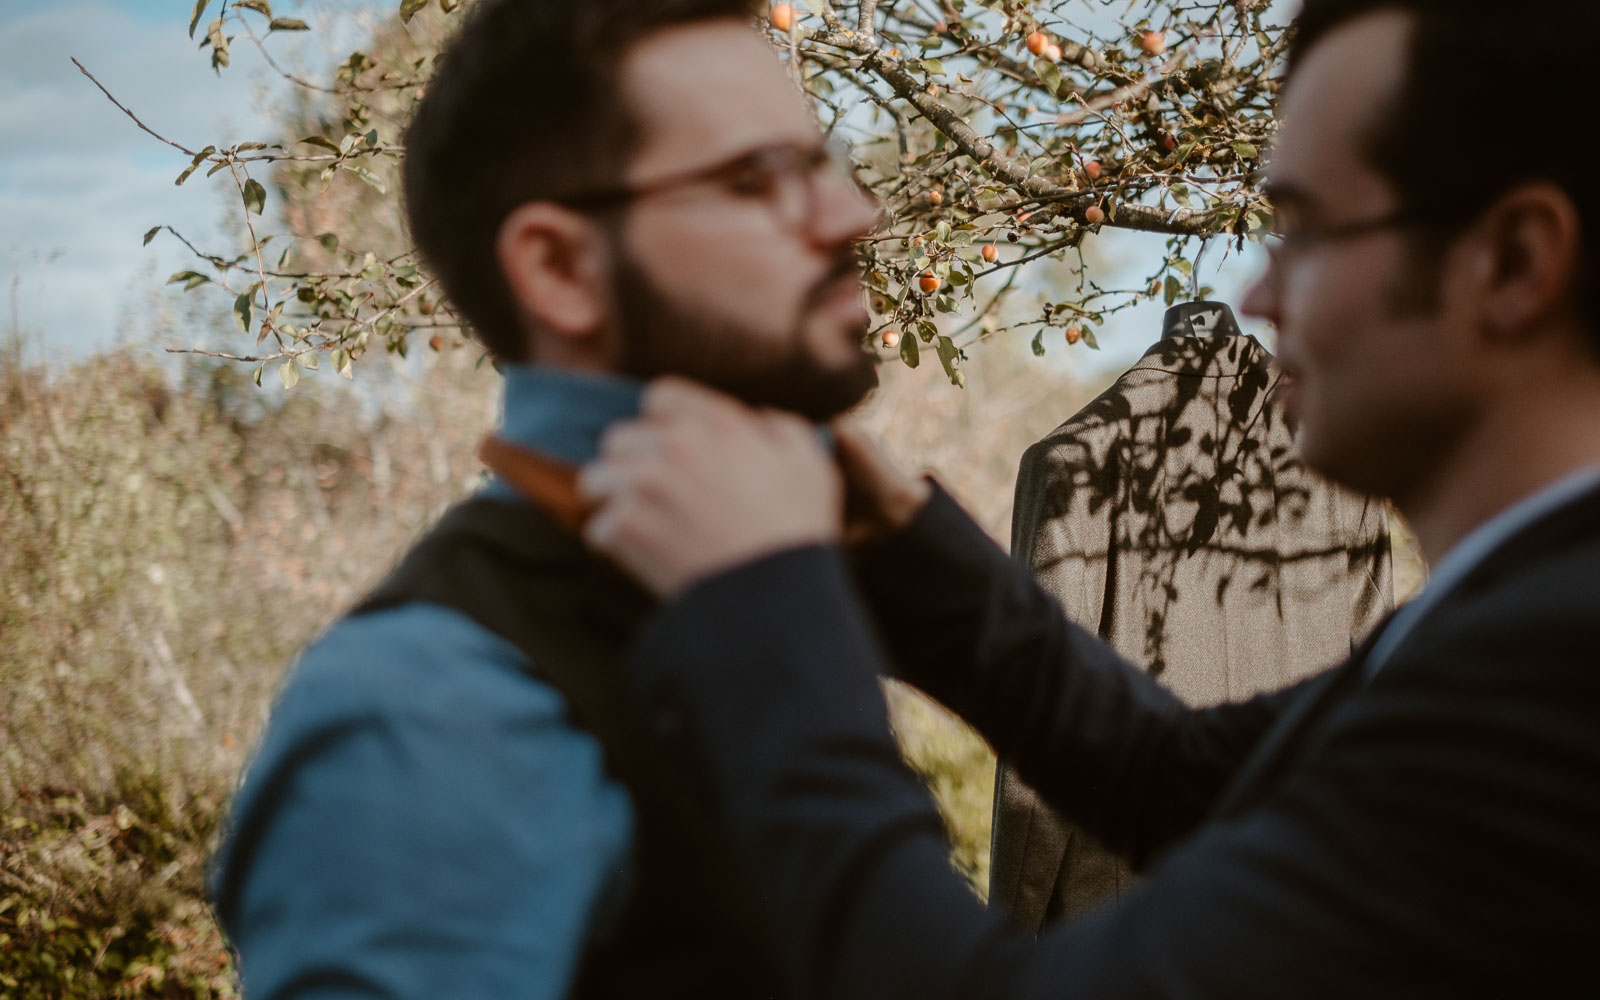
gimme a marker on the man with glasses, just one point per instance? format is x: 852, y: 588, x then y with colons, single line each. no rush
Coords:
x: 453, y: 799
x: 1419, y: 821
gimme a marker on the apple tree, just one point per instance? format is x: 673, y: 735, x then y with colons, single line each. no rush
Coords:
x: 996, y: 133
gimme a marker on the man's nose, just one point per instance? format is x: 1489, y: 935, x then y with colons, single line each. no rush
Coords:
x: 846, y: 211
x: 1261, y: 301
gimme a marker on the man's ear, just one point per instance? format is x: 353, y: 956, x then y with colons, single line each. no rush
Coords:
x: 556, y: 264
x: 1530, y: 254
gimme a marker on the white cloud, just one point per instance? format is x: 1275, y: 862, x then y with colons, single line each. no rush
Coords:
x: 81, y: 182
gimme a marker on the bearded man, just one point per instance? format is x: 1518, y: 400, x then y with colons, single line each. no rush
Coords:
x: 452, y: 798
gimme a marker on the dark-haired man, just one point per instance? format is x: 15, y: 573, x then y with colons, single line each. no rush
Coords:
x: 451, y: 799
x: 1418, y: 822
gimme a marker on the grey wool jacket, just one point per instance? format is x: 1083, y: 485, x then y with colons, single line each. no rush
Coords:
x: 1171, y: 516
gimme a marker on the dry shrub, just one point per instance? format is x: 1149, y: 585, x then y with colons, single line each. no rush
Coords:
x: 169, y: 545
x: 172, y: 541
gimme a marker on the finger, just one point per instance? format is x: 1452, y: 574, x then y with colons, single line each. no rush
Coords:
x: 629, y: 439
x: 672, y: 396
x: 602, y: 480
x: 787, y: 430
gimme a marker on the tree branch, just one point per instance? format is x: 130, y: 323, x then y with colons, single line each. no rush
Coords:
x: 1072, y: 203
x: 130, y: 114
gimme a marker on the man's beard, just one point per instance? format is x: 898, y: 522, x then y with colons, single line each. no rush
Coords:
x: 657, y: 337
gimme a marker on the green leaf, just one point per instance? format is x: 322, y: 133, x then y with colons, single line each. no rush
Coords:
x: 199, y: 9
x: 151, y: 234
x: 329, y: 241
x: 1246, y: 150
x: 289, y: 374
x: 255, y: 196
x: 190, y: 279
x: 948, y: 356
x: 187, y: 171
x: 241, y: 311
x: 1048, y: 73
x: 259, y: 6
x: 1174, y: 289
x: 1038, y: 344
x: 909, y: 352
x: 927, y: 330
x: 288, y: 24
x: 1088, y: 337
x: 256, y: 376
x: 371, y: 178
x: 410, y: 9
x: 933, y: 67
x: 324, y: 142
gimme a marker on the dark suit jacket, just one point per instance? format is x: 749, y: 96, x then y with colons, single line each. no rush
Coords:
x: 1172, y: 517
x: 1431, y: 832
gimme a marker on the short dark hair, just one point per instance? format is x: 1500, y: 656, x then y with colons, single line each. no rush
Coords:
x: 524, y: 105
x: 1496, y: 94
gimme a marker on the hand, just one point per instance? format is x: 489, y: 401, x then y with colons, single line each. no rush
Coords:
x: 879, y: 498
x: 701, y: 483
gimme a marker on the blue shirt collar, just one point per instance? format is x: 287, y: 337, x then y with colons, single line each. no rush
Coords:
x: 563, y: 412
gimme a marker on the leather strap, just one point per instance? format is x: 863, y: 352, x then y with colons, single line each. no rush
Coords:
x: 548, y: 482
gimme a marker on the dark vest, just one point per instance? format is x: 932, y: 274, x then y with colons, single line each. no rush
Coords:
x: 689, y: 928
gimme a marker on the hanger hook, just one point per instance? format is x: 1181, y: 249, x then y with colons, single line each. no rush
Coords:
x: 1194, y: 272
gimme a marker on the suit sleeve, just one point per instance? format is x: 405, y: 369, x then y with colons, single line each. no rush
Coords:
x: 1050, y: 535
x: 1378, y: 872
x: 975, y: 631
x: 1057, y: 538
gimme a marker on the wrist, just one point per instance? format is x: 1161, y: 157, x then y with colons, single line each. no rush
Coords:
x: 903, y: 506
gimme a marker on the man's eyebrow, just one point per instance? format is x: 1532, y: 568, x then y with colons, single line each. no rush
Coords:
x: 1286, y: 194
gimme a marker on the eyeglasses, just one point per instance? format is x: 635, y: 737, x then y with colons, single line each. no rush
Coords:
x: 784, y: 176
x: 1284, y: 245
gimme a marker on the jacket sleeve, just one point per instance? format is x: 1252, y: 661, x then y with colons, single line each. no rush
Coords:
x: 975, y: 631
x: 420, y: 820
x: 1065, y: 542
x: 1377, y: 872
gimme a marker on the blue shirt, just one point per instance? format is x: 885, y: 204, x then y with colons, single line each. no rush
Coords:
x: 421, y: 819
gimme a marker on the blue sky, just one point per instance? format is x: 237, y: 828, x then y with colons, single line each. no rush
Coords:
x: 80, y: 184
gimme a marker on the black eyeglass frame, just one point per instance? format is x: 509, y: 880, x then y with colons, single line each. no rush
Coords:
x: 778, y: 163
x: 1281, y: 245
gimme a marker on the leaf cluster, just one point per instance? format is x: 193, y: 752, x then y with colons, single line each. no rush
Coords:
x: 1151, y: 119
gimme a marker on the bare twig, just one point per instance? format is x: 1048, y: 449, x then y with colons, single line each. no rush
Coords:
x: 130, y: 114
